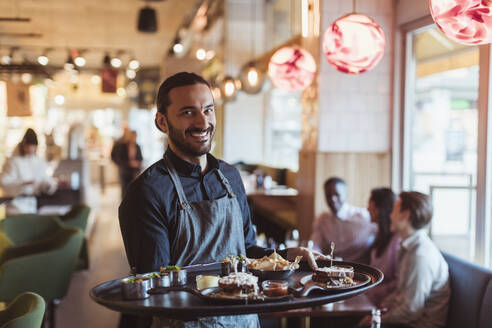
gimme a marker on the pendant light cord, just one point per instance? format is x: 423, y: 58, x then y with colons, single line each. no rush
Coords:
x: 354, y: 4
x: 253, y: 48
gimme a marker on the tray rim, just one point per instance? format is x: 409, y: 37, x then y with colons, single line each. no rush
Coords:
x: 145, y: 307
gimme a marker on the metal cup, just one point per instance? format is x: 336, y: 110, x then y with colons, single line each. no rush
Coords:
x: 178, y: 277
x: 162, y: 281
x: 134, y: 290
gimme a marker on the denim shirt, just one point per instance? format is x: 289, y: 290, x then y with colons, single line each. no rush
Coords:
x: 148, y: 212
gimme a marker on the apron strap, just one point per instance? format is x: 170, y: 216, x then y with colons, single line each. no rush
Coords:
x: 226, y: 184
x: 177, y: 184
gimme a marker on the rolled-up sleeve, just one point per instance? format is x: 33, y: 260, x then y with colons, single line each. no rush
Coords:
x: 145, y: 234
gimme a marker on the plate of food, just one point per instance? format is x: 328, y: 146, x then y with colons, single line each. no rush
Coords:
x: 336, y: 278
x: 273, y: 267
x: 239, y: 288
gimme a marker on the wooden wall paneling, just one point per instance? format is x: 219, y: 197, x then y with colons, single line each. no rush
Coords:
x: 306, y: 187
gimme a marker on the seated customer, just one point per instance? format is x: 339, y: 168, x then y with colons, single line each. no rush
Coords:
x: 384, y: 251
x: 422, y: 295
x: 349, y: 227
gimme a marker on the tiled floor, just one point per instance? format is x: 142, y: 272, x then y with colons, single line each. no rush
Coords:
x: 107, y: 262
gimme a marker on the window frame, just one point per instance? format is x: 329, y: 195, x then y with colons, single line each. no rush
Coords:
x: 401, y: 131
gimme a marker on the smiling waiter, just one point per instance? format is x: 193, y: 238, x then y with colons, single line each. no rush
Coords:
x: 190, y: 207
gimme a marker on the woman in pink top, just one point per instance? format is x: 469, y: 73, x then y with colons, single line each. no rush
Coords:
x: 384, y: 251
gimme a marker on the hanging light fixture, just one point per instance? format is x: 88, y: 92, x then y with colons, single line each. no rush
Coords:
x: 147, y: 20
x: 116, y: 60
x: 43, y: 58
x: 7, y: 59
x: 251, y: 78
x: 250, y: 75
x: 201, y: 54
x: 69, y: 64
x: 354, y: 43
x: 229, y: 88
x: 292, y: 68
x: 134, y: 64
x: 464, y: 21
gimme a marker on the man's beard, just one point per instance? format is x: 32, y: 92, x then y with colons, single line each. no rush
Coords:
x: 178, y: 140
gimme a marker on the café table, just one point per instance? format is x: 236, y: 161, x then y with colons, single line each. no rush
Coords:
x: 187, y: 305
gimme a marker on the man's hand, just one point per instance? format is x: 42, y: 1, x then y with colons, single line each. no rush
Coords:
x: 307, y: 254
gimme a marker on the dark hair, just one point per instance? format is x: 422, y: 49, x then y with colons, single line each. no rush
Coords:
x: 420, y: 207
x: 30, y: 138
x: 383, y: 199
x: 334, y: 180
x: 177, y: 80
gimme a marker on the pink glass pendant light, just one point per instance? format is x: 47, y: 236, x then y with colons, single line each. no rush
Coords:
x: 292, y: 68
x: 354, y: 44
x: 464, y: 21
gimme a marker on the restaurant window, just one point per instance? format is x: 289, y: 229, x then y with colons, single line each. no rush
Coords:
x: 283, y: 129
x: 441, y: 120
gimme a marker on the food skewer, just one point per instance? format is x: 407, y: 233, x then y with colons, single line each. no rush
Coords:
x: 332, y: 247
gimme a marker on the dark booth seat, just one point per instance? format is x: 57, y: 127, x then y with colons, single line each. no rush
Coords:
x: 471, y: 294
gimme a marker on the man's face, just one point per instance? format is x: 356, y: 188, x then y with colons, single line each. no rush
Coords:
x: 190, y: 120
x: 399, y: 219
x: 336, y: 194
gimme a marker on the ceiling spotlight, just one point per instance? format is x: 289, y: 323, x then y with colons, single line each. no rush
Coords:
x: 6, y: 60
x: 178, y: 48
x: 26, y: 78
x: 95, y: 79
x: 121, y: 92
x: 80, y: 61
x: 201, y: 54
x: 130, y: 74
x: 115, y: 62
x: 147, y: 20
x: 134, y: 64
x: 59, y: 100
x: 43, y: 60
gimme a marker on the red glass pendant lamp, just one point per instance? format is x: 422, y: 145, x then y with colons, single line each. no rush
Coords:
x: 354, y: 43
x: 464, y: 21
x: 292, y: 68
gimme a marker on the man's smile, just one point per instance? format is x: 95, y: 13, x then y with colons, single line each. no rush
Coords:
x: 200, y: 135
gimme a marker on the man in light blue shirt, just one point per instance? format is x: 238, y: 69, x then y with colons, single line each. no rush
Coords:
x: 422, y: 295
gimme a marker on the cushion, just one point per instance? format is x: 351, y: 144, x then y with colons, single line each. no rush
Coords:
x: 468, y: 285
x: 486, y: 311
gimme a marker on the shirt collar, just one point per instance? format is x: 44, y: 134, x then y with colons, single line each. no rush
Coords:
x: 186, y: 168
x: 413, y: 240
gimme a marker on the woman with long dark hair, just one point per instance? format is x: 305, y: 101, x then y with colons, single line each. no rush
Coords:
x: 386, y: 245
x: 24, y: 175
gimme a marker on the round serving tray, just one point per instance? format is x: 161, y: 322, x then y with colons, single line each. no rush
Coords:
x: 186, y: 305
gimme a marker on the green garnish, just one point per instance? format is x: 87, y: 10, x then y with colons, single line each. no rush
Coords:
x: 153, y: 275
x: 170, y: 268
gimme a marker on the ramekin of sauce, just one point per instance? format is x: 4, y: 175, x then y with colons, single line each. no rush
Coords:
x: 275, y: 288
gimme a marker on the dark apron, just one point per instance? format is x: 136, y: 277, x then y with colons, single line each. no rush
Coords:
x: 208, y: 231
